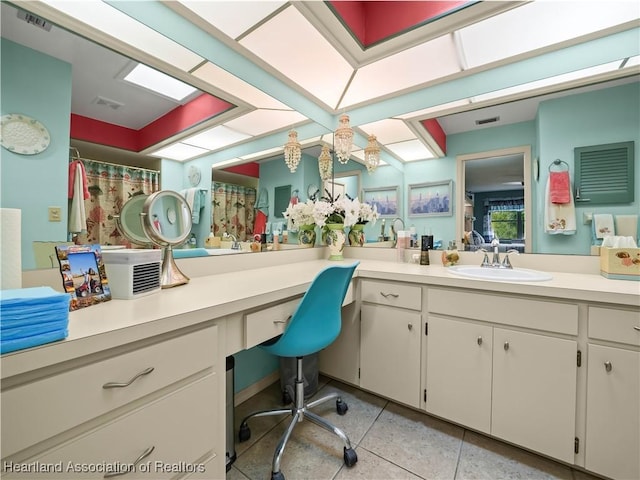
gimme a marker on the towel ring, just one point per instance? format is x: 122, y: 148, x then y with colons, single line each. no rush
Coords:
x: 564, y: 166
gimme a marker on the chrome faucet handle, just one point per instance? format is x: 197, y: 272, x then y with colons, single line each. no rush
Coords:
x: 506, y: 263
x: 485, y: 259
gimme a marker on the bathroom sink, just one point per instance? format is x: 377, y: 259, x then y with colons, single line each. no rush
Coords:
x: 223, y: 251
x: 500, y: 274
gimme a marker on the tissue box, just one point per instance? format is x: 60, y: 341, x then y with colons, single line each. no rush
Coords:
x: 620, y: 263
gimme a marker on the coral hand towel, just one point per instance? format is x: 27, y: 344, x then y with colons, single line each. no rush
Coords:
x: 559, y: 187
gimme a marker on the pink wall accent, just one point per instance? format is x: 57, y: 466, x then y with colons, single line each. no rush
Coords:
x: 373, y: 22
x: 432, y: 126
x: 251, y: 169
x: 102, y: 133
x: 177, y: 120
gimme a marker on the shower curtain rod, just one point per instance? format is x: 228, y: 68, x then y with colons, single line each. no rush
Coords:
x: 78, y: 157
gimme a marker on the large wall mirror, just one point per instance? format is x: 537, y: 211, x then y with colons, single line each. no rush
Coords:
x: 594, y: 114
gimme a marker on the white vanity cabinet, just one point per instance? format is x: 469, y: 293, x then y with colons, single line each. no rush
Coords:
x: 155, y: 400
x: 390, y: 340
x: 612, y: 444
x: 504, y: 365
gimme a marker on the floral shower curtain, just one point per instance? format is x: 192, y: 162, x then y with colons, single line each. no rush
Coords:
x: 110, y: 186
x: 233, y: 208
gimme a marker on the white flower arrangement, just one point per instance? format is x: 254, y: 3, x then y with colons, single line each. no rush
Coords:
x: 343, y: 210
x: 302, y: 213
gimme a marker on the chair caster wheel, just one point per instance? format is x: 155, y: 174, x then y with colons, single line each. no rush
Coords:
x: 245, y: 432
x: 286, y: 398
x: 277, y: 476
x: 341, y: 407
x: 350, y: 457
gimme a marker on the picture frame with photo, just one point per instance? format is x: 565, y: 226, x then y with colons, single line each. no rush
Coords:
x: 385, y: 199
x: 431, y: 199
x: 84, y: 276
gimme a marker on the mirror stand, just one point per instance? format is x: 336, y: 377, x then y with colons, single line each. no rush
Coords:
x: 171, y: 275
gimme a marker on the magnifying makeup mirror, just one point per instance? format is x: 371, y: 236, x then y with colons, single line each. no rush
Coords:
x: 162, y: 219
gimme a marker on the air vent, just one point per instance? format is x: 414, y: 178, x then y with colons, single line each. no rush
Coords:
x: 146, y: 277
x: 107, y: 103
x: 34, y: 20
x: 484, y: 121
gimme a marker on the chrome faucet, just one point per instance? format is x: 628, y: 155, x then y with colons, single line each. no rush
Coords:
x: 495, y: 244
x: 236, y: 244
x: 382, y: 236
x: 506, y: 263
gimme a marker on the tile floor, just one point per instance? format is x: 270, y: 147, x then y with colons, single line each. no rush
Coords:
x: 392, y: 442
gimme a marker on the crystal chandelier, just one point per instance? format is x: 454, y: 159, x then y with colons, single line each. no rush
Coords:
x: 372, y: 154
x: 343, y: 139
x: 325, y: 163
x: 292, y: 152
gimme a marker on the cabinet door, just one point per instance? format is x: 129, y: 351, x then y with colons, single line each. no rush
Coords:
x: 390, y: 353
x: 534, y: 392
x: 341, y: 359
x: 459, y: 372
x: 613, y: 412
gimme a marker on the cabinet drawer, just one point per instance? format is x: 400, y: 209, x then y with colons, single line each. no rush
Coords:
x: 267, y: 323
x: 614, y: 325
x: 181, y: 427
x: 38, y: 410
x: 392, y: 294
x: 506, y: 310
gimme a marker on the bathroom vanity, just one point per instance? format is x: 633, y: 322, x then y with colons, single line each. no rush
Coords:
x: 550, y: 366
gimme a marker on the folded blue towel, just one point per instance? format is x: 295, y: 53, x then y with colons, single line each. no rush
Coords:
x: 31, y: 296
x: 190, y: 253
x: 21, y: 319
x: 32, y: 341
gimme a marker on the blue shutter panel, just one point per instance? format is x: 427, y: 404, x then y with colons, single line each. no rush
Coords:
x: 604, y: 173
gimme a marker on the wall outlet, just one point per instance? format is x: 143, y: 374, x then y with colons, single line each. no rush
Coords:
x: 55, y: 214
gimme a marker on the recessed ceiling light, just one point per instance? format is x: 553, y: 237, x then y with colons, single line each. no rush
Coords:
x: 159, y: 83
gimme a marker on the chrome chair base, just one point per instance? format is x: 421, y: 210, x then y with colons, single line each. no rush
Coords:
x: 299, y: 412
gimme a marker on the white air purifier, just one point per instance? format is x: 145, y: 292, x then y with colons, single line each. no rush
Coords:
x: 133, y: 273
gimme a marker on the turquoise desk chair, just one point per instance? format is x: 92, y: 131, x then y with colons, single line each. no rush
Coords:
x: 315, y: 324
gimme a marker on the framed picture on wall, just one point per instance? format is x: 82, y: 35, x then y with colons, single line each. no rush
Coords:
x: 385, y: 199
x: 433, y: 199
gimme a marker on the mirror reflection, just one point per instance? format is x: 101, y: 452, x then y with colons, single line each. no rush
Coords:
x: 555, y: 128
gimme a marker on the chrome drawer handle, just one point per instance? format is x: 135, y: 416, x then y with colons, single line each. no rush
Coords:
x: 385, y: 295
x: 131, y: 466
x: 410, y: 326
x: 146, y: 371
x: 635, y: 327
x: 278, y: 322
x: 506, y: 346
x: 479, y: 340
x: 608, y: 366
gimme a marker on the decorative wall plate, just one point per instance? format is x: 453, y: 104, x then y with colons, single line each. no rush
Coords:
x: 23, y: 134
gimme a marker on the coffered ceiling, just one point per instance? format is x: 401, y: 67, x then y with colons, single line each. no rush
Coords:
x: 268, y: 66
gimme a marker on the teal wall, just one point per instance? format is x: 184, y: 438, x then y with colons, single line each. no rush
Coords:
x: 38, y: 86
x: 594, y: 118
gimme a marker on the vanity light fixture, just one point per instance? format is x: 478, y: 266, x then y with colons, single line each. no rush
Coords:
x: 292, y: 152
x: 372, y: 154
x: 325, y: 163
x: 343, y: 139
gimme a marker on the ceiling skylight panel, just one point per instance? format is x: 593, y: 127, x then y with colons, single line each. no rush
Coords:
x: 232, y: 17
x: 263, y: 121
x: 410, y: 151
x: 237, y: 87
x: 539, y: 24
x: 546, y: 82
x: 291, y: 45
x: 123, y: 28
x: 159, y: 82
x: 420, y: 64
x: 216, y: 137
x: 389, y: 130
x: 179, y: 152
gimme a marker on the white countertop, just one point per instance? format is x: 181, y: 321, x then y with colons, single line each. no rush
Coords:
x: 209, y: 297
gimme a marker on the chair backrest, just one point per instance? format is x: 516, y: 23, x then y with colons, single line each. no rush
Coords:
x: 317, y: 321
